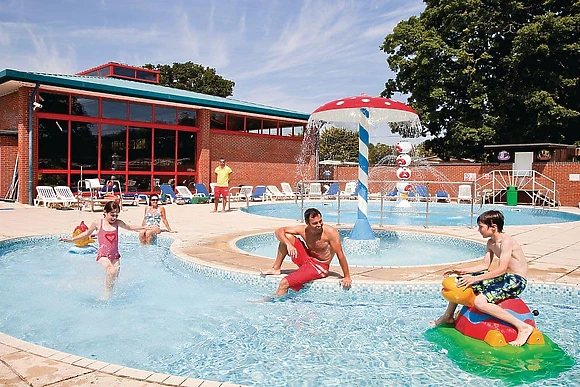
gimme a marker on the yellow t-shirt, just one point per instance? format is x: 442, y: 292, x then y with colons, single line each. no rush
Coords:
x: 223, y: 176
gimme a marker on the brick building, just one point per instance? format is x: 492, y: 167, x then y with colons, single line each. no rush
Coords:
x: 116, y: 120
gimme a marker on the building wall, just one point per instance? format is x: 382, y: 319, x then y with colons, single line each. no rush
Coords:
x: 569, y: 191
x: 8, y: 152
x: 254, y: 159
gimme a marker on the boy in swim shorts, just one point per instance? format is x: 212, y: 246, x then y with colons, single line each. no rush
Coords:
x: 312, y: 252
x: 491, y: 286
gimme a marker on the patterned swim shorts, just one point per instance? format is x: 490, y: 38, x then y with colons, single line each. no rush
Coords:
x: 500, y: 288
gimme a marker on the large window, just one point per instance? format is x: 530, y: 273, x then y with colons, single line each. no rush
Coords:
x: 114, y: 109
x: 270, y: 127
x: 52, y: 144
x: 54, y: 103
x: 217, y: 121
x: 139, y: 149
x: 166, y: 115
x: 164, y: 150
x: 140, y: 112
x: 187, y: 117
x: 186, y: 151
x: 85, y: 106
x: 236, y: 122
x: 84, y: 145
x: 113, y: 147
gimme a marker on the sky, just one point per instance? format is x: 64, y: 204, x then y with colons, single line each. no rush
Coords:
x: 291, y: 54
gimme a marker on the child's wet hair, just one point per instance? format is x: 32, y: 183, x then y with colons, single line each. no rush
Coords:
x: 111, y: 206
x: 491, y: 217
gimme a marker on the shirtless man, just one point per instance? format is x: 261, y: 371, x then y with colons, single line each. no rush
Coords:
x: 507, y: 280
x: 313, y: 257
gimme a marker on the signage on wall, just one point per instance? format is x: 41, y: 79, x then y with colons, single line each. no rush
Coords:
x: 469, y: 176
x: 503, y: 155
x: 544, y: 155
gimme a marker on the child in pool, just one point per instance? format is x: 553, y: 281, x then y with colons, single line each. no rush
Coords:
x: 491, y: 286
x: 108, y: 237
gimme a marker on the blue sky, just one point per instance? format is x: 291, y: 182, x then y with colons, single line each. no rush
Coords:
x: 293, y: 54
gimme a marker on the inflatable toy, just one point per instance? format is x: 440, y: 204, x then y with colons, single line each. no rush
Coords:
x: 79, y: 230
x: 478, y: 342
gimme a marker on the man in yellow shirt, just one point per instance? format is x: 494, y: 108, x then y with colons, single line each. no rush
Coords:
x: 222, y: 172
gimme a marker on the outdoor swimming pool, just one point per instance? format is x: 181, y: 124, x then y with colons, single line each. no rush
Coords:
x: 440, y: 214
x: 396, y: 249
x: 171, y: 317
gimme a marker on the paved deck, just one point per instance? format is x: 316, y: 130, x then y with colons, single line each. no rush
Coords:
x: 552, y: 251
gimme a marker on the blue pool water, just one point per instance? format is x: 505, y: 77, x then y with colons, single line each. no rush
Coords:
x: 171, y: 317
x: 396, y: 249
x: 440, y: 214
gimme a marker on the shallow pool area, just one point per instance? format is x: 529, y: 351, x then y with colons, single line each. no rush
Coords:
x: 175, y: 317
x: 439, y: 214
x: 397, y: 249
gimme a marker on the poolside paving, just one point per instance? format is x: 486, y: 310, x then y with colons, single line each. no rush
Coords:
x: 553, y: 252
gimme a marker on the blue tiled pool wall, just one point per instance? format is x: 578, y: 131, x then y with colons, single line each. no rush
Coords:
x: 555, y: 293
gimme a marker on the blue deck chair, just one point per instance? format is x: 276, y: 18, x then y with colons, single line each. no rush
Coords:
x: 422, y: 192
x: 167, y: 192
x: 441, y: 195
x: 332, y: 191
x: 200, y: 188
x: 260, y: 193
x: 392, y: 195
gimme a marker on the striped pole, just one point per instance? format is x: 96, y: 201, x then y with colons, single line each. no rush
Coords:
x: 362, y: 228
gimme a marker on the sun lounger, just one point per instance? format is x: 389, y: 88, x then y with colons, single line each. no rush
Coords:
x: 275, y: 193
x: 464, y: 193
x: 45, y: 194
x: 332, y: 192
x: 287, y: 190
x: 201, y: 189
x: 315, y: 191
x: 442, y: 195
x: 65, y: 194
x: 260, y: 193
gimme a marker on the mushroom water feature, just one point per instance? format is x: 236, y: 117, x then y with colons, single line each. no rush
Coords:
x: 366, y: 112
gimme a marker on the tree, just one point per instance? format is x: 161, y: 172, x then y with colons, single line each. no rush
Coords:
x: 193, y: 77
x: 381, y: 154
x: 338, y: 144
x: 489, y: 72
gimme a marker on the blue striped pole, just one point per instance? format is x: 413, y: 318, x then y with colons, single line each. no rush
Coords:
x: 362, y: 228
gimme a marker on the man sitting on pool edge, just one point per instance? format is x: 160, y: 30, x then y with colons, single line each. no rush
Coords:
x: 313, y: 253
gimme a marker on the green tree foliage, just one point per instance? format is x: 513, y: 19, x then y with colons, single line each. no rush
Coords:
x: 193, y: 77
x: 381, y: 154
x: 338, y: 144
x: 481, y: 72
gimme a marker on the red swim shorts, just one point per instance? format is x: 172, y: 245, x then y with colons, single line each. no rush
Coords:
x: 220, y: 191
x: 309, y: 268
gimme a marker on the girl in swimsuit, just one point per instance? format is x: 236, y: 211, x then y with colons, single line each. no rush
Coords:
x: 152, y: 219
x: 108, y: 237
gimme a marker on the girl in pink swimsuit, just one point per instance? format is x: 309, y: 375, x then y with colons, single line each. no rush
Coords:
x: 108, y: 236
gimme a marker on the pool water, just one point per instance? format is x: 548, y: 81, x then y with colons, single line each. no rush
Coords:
x: 168, y: 318
x: 440, y: 214
x: 396, y: 249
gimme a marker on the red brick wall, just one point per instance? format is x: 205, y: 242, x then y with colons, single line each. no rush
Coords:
x: 559, y: 172
x: 256, y: 160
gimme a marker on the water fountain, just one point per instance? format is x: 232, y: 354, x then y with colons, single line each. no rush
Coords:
x: 404, y: 172
x: 366, y: 111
